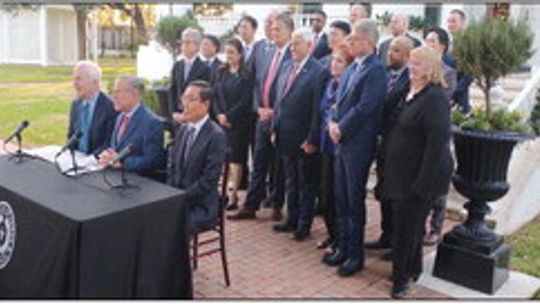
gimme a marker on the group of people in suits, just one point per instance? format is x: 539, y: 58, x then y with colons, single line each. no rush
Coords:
x: 314, y: 110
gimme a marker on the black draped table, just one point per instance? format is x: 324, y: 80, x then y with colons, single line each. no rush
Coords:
x: 64, y: 237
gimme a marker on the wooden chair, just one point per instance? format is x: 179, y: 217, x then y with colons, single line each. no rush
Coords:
x: 215, y: 243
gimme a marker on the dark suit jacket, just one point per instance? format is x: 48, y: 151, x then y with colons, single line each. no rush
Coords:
x: 215, y: 65
x: 145, y: 133
x: 296, y: 118
x: 199, y: 71
x: 261, y: 70
x: 101, y: 126
x: 321, y: 49
x: 418, y: 159
x: 359, y: 109
x: 200, y: 175
x: 382, y: 50
x: 398, y: 91
x: 461, y: 92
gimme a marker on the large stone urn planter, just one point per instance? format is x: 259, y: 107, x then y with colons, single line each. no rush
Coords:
x: 472, y: 254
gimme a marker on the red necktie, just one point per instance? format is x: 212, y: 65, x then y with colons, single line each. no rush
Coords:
x: 122, y: 128
x: 272, y: 71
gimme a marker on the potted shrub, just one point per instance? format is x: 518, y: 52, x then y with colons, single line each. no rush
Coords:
x: 472, y: 254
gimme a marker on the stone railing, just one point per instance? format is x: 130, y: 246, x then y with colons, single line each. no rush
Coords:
x: 524, y: 102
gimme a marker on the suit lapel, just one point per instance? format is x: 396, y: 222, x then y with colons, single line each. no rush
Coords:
x: 200, y: 141
x: 299, y: 77
x: 133, y: 125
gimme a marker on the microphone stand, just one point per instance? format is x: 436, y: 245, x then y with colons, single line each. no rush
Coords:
x: 19, y: 155
x: 124, y: 183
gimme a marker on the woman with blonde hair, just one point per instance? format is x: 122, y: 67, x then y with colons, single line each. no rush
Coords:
x: 418, y: 162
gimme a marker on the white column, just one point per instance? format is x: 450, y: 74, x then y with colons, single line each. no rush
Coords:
x: 94, y: 40
x: 43, y: 34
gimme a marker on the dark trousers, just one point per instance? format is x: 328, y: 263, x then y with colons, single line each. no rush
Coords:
x: 276, y: 183
x: 385, y: 203
x: 409, y: 218
x: 326, y: 197
x: 351, y: 175
x: 438, y: 213
x: 301, y: 184
x: 264, y: 152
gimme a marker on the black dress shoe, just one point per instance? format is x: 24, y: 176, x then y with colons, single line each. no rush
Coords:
x: 350, y: 267
x: 399, y: 290
x: 335, y: 258
x: 377, y: 245
x: 301, y: 234
x: 284, y: 227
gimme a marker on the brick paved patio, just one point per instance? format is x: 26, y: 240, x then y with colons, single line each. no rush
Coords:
x: 265, y: 265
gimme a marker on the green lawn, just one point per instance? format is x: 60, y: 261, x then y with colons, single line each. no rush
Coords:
x: 526, y: 250
x: 43, y: 96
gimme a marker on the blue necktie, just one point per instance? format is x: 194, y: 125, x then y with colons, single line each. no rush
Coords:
x: 85, y: 127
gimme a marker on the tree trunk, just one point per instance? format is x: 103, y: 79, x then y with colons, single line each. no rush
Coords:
x: 142, y: 34
x: 81, y: 34
x: 487, y: 90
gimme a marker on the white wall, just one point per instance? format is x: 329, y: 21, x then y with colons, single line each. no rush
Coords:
x: 22, y: 41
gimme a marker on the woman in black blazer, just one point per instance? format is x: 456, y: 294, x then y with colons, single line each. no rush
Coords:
x: 419, y: 163
x: 232, y: 85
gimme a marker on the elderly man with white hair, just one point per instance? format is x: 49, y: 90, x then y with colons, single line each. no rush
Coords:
x: 189, y: 68
x: 92, y: 113
x: 353, y: 129
x: 295, y: 132
x: 399, y: 26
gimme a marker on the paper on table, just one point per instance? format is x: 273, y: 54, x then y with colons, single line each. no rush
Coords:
x: 85, y: 163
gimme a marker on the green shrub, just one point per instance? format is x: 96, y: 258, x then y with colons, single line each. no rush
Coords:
x: 500, y: 120
x: 170, y: 28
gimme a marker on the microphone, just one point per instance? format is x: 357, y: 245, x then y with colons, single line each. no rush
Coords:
x: 125, y: 152
x: 71, y: 142
x: 24, y: 124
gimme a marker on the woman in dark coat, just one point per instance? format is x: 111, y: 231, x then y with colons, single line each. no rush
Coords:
x: 418, y: 162
x: 340, y: 59
x: 232, y: 85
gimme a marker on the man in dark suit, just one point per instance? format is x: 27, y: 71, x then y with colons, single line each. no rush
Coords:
x: 320, y: 46
x: 354, y: 129
x: 456, y: 22
x: 187, y: 69
x: 399, y: 25
x: 197, y: 156
x: 265, y: 99
x: 136, y: 126
x: 246, y: 29
x: 92, y: 112
x: 398, y: 86
x: 339, y: 30
x: 209, y: 48
x: 296, y: 132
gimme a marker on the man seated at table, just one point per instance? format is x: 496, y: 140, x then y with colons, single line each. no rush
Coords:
x: 136, y: 126
x: 198, y: 155
x: 92, y: 112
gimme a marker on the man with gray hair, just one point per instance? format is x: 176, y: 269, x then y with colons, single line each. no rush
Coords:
x: 135, y: 126
x: 353, y: 129
x: 264, y: 94
x: 399, y: 26
x: 357, y: 12
x: 189, y: 68
x: 295, y: 132
x: 92, y: 113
